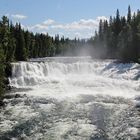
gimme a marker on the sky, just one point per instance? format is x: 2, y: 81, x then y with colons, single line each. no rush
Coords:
x: 71, y: 18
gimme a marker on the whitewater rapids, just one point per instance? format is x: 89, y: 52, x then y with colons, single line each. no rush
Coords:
x: 72, y: 98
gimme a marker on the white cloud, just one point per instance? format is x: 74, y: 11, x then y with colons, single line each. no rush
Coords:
x: 39, y: 27
x: 18, y: 16
x: 82, y: 24
x: 84, y: 28
x: 102, y: 17
x: 45, y: 33
x: 7, y: 15
x: 48, y: 22
x: 78, y: 25
x: 42, y: 26
x: 23, y: 26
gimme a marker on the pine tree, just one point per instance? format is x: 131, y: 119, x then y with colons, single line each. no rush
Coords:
x: 129, y: 15
x: 117, y: 24
x: 20, y: 52
x: 27, y: 38
x: 101, y: 30
x: 4, y: 34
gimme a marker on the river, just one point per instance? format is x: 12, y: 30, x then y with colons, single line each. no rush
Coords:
x: 72, y: 98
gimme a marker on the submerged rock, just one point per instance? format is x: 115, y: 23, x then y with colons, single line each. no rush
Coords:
x: 1, y: 103
x: 17, y: 96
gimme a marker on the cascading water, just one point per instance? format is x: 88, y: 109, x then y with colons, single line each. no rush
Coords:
x: 73, y: 99
x: 32, y: 73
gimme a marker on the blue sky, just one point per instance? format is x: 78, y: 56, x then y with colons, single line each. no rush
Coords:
x: 65, y: 17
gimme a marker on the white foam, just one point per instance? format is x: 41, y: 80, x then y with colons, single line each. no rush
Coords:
x: 71, y: 99
x: 65, y: 77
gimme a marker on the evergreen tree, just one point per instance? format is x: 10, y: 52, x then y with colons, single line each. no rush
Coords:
x: 27, y: 37
x: 4, y: 34
x: 129, y: 15
x: 20, y: 52
x: 121, y: 37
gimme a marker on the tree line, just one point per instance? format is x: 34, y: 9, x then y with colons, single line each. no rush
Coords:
x: 119, y: 38
x: 17, y: 44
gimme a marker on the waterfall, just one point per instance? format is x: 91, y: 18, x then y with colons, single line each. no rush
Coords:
x: 72, y: 98
x: 43, y: 70
x: 32, y: 73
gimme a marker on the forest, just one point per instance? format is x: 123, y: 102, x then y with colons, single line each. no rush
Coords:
x: 117, y: 38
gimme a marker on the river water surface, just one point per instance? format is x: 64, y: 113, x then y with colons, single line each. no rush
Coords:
x: 72, y: 98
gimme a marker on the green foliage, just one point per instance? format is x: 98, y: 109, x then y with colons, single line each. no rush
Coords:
x: 129, y: 15
x: 120, y: 38
x: 1, y: 71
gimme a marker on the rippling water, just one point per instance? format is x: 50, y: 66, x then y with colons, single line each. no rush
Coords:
x: 72, y: 99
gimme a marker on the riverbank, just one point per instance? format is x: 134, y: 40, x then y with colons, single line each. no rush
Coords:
x: 6, y: 72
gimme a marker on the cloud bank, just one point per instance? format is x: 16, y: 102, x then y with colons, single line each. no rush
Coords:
x: 83, y: 28
x: 18, y: 16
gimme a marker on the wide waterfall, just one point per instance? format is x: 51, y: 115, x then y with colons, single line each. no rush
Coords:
x: 42, y: 70
x: 32, y: 73
x: 72, y: 98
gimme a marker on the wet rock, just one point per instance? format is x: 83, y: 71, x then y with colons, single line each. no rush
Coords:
x: 17, y: 96
x: 1, y: 103
x: 20, y: 96
x: 138, y: 106
x: 10, y: 96
x: 6, y: 81
x: 9, y: 88
x: 8, y: 70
